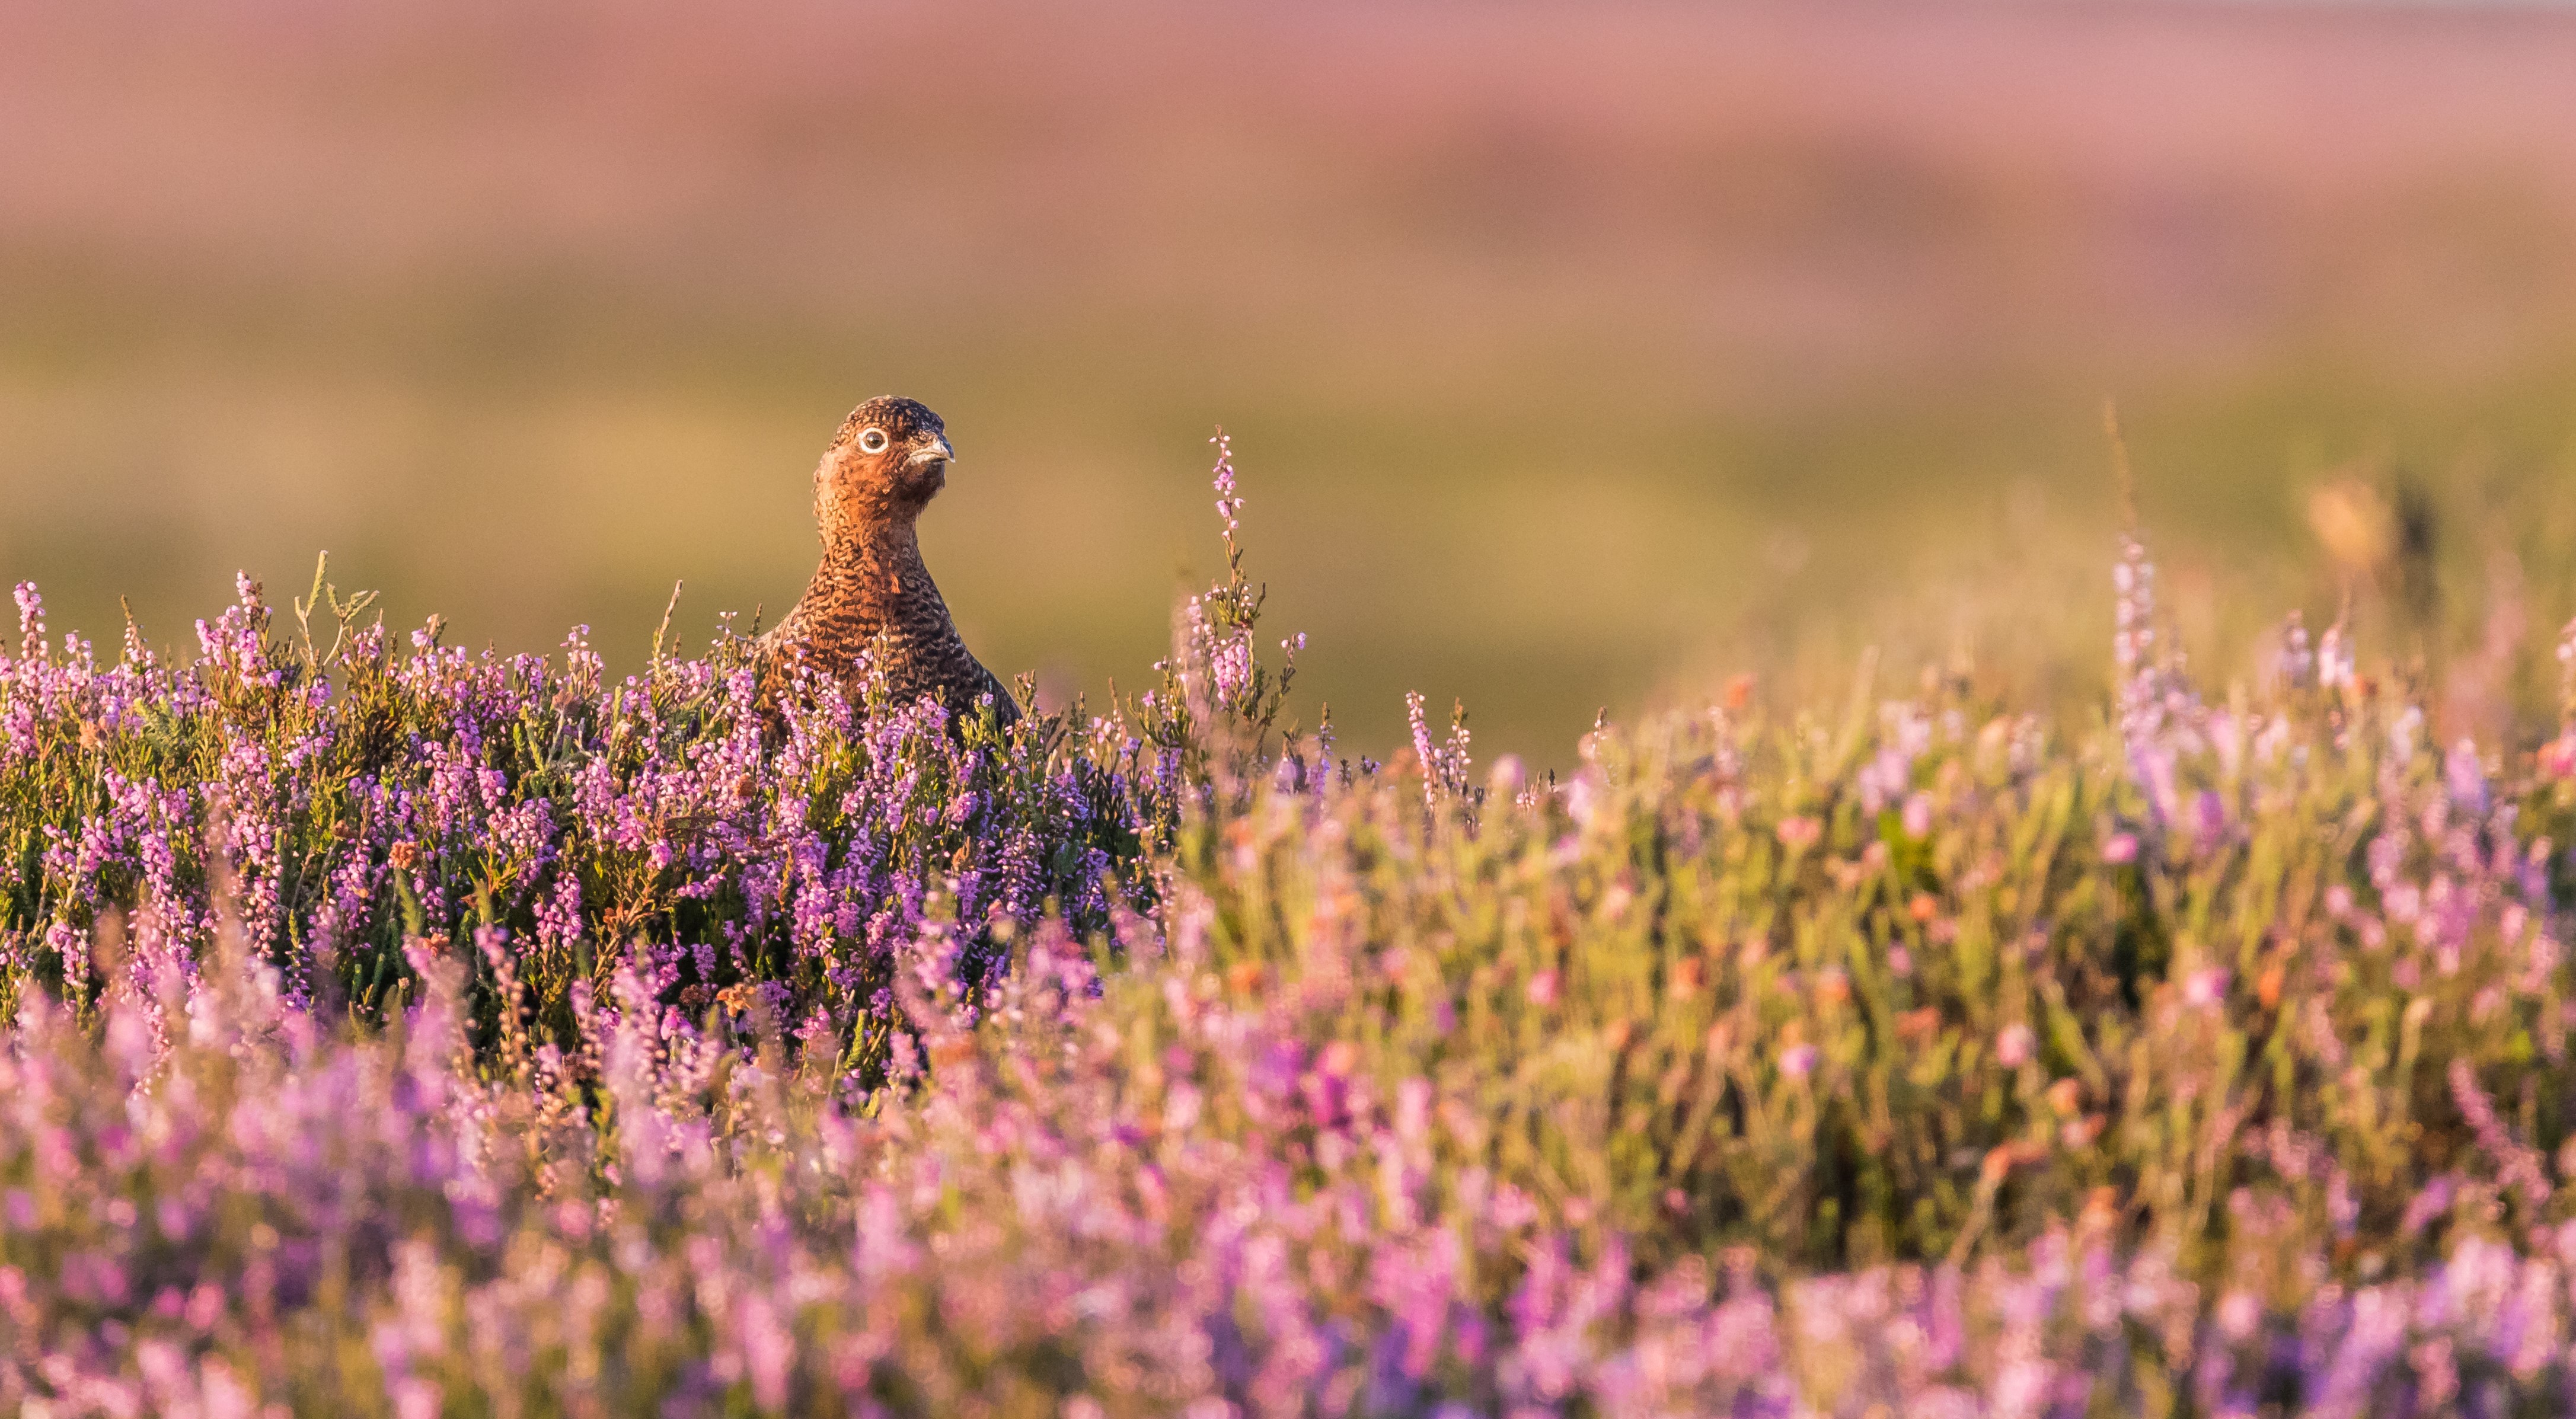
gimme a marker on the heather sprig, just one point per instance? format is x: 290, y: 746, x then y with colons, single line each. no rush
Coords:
x: 1219, y: 700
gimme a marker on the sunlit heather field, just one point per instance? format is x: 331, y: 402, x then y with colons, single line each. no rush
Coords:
x: 405, y: 1030
x: 1580, y: 354
x: 2064, y: 916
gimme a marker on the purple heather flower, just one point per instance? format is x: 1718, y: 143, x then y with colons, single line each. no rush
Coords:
x: 2209, y: 816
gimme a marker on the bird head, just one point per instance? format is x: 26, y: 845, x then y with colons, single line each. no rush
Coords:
x: 890, y: 459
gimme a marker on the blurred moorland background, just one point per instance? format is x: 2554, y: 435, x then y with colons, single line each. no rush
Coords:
x: 1576, y: 357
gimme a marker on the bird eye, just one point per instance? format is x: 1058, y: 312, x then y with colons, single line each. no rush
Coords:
x: 873, y: 441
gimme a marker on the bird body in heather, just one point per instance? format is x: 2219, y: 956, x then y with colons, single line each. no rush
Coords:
x: 872, y: 594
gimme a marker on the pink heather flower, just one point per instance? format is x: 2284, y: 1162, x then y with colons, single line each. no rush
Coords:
x: 2465, y: 777
x: 1918, y: 815
x: 2335, y: 670
x: 2430, y: 1201
x: 2205, y: 988
x: 769, y: 1351
x: 416, y: 1398
x: 1445, y: 764
x: 2567, y: 674
x: 1542, y: 989
x: 1583, y: 799
x: 2013, y: 1047
x: 1799, y: 1061
x: 1422, y: 750
x: 1229, y: 505
x: 2404, y: 902
x: 2120, y: 849
x: 2558, y: 757
x: 31, y: 619
x: 1799, y: 833
x: 2519, y: 1166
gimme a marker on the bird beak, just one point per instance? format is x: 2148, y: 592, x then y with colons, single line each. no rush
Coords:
x: 937, y: 452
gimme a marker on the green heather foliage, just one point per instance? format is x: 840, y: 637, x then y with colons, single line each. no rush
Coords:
x: 543, y: 1046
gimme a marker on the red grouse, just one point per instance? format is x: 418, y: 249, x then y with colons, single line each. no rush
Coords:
x: 872, y: 593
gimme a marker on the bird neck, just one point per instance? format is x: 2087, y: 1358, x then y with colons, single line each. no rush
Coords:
x: 874, y: 563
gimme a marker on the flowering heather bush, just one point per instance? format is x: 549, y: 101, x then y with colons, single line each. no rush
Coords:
x: 711, y: 834
x: 514, y: 1043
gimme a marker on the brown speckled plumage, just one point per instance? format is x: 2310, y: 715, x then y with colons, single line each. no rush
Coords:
x: 868, y: 492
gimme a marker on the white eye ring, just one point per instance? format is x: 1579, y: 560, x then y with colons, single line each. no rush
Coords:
x: 873, y: 441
